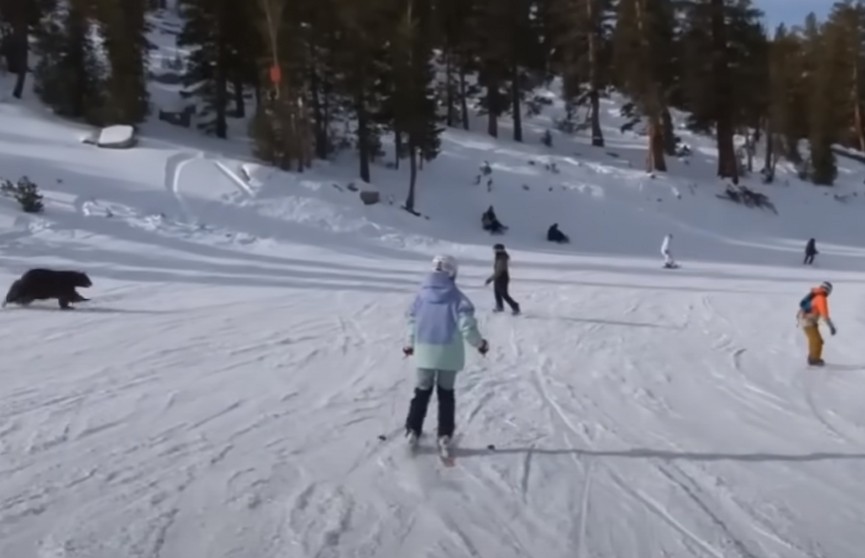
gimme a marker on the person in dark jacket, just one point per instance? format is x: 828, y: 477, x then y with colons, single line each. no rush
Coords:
x: 555, y: 235
x: 810, y: 252
x: 491, y: 223
x: 501, y: 279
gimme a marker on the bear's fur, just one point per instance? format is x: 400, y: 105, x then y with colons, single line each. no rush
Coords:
x: 43, y: 284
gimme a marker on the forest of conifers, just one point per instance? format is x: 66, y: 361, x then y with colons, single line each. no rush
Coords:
x: 315, y: 76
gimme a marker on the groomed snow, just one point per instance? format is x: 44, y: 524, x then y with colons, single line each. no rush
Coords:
x: 224, y: 392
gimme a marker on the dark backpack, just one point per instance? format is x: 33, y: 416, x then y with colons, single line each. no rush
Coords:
x: 805, y: 303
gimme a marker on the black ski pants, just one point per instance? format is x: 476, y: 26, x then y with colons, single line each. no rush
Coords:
x: 500, y: 290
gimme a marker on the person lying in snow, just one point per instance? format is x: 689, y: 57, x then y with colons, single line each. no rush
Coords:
x: 555, y: 235
x: 441, y: 319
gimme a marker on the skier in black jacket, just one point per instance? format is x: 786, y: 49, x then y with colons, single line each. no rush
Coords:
x: 810, y: 252
x: 501, y: 279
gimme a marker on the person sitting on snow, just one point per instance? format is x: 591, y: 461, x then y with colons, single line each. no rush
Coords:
x: 812, y: 308
x: 440, y: 320
x: 669, y: 262
x: 491, y: 223
x: 555, y: 235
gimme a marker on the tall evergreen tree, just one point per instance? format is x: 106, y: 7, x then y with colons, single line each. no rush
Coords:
x: 415, y: 103
x: 363, y: 70
x: 453, y: 19
x: 21, y: 17
x: 582, y: 35
x: 827, y: 104
x: 507, y: 42
x: 716, y: 62
x: 69, y: 75
x: 124, y: 28
x: 643, y: 39
x: 281, y: 125
x: 787, y: 99
x: 218, y: 34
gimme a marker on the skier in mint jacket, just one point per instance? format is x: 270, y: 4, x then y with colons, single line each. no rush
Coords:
x: 441, y: 319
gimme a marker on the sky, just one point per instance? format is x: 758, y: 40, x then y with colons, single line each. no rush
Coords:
x: 792, y: 12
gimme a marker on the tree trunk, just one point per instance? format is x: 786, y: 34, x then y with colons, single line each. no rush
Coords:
x: 492, y: 107
x: 397, y: 147
x: 652, y: 103
x: 239, y: 101
x: 769, y: 163
x: 515, y: 102
x: 449, y: 88
x: 221, y: 96
x: 858, y: 124
x: 412, y: 159
x: 669, y: 132
x: 22, y: 54
x: 318, y: 113
x: 594, y: 70
x: 363, y: 139
x: 727, y: 164
x: 464, y: 102
x: 655, y: 160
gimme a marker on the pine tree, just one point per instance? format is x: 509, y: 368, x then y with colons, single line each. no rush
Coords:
x: 453, y: 19
x: 827, y: 104
x: 124, y: 28
x: 491, y: 31
x: 786, y: 99
x: 582, y: 35
x: 506, y: 40
x: 21, y: 16
x: 716, y: 67
x: 642, y: 40
x: 280, y: 127
x: 216, y: 31
x: 846, y: 24
x: 415, y: 104
x: 320, y: 37
x: 69, y: 75
x: 364, y: 75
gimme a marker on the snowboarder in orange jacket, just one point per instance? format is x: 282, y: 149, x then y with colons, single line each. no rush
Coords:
x: 813, y: 308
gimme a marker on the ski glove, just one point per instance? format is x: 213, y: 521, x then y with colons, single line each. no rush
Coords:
x: 832, y: 329
x: 484, y: 347
x: 407, y: 351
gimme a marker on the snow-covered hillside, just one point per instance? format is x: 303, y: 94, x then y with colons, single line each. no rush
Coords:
x: 224, y: 392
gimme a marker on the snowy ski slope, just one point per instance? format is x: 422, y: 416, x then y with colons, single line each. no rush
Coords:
x: 224, y: 392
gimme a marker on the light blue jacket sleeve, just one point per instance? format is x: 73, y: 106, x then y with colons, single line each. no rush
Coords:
x: 411, y: 317
x: 467, y: 323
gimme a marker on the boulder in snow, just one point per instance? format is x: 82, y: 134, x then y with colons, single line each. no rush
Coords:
x: 370, y: 197
x: 116, y: 137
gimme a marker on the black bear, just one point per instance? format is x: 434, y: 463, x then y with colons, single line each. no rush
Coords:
x: 42, y: 284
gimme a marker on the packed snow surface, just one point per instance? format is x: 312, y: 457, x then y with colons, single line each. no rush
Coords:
x: 224, y: 392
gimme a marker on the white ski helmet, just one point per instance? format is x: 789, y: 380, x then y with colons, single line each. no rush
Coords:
x: 446, y: 263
